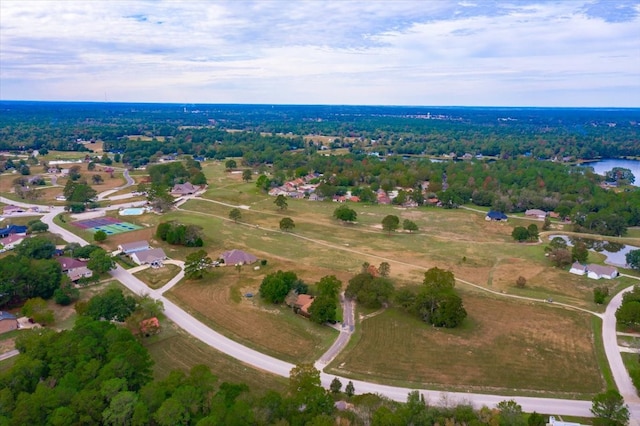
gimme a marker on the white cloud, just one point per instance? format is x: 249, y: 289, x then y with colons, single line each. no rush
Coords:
x: 411, y: 52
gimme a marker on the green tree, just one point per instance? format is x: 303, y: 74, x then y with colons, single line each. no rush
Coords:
x: 409, y: 225
x: 345, y: 214
x: 246, y: 175
x: 609, y: 409
x: 111, y: 305
x: 100, y: 262
x: 510, y: 413
x: 350, y: 389
x: 629, y: 313
x: 384, y: 269
x: 263, y: 183
x: 322, y: 309
x: 230, y: 164
x: 99, y: 236
x: 121, y: 408
x: 520, y: 233
x: 162, y: 230
x: 533, y: 232
x: 329, y: 286
x: 36, y: 226
x: 579, y: 252
x: 276, y: 286
x: 36, y: 248
x: 235, y: 215
x: 336, y: 385
x: 96, y: 179
x: 197, y: 263
x: 287, y: 224
x: 281, y: 202
x: 633, y: 259
x: 536, y: 419
x: 600, y: 294
x: 36, y: 308
x: 390, y: 223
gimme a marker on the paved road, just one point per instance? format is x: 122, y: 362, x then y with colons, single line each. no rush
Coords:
x: 9, y: 354
x: 273, y: 365
x: 130, y: 182
x: 346, y: 329
x: 610, y: 341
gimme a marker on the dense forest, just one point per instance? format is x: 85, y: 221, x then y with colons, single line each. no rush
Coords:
x: 540, y: 132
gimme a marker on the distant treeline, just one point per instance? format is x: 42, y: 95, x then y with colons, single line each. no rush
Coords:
x: 506, y: 132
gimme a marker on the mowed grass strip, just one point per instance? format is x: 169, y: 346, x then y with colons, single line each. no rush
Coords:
x: 157, y: 277
x: 272, y: 329
x: 504, y: 346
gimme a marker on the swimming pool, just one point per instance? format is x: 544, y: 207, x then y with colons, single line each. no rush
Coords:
x: 133, y: 211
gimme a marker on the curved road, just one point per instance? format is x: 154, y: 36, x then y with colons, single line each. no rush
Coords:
x: 276, y: 366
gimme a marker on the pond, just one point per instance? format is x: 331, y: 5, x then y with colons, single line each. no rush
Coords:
x: 603, y: 166
x: 616, y: 252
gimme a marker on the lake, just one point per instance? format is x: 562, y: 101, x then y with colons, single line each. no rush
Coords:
x: 603, y: 166
x: 616, y: 252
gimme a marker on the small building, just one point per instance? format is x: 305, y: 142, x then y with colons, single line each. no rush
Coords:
x: 153, y: 257
x: 237, y: 257
x: 596, y: 272
x: 128, y: 248
x: 554, y: 422
x: 7, y: 210
x: 186, y: 188
x: 8, y: 322
x: 578, y: 268
x: 12, y: 241
x: 496, y: 216
x: 537, y: 213
x: 76, y: 274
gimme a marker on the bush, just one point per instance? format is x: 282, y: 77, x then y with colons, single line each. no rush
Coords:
x: 600, y: 294
x: 521, y: 282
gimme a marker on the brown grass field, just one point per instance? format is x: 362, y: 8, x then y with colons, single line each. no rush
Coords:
x: 504, y: 347
x: 276, y: 330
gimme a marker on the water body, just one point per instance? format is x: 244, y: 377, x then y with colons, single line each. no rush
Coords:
x: 603, y: 166
x: 616, y: 252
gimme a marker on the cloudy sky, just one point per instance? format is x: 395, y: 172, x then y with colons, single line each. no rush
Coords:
x: 429, y: 52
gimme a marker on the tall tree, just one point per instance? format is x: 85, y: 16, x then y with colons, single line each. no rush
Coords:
x: 609, y: 409
x: 100, y: 262
x: 287, y: 224
x: 235, y: 215
x: 390, y: 223
x: 281, y: 202
x: 409, y: 225
x: 197, y: 263
x: 345, y: 214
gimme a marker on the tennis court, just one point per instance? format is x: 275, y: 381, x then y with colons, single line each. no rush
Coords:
x: 109, y: 225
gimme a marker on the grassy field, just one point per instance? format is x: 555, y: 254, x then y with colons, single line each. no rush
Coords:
x: 218, y: 300
x: 157, y: 277
x: 632, y: 362
x: 174, y: 350
x: 503, y: 347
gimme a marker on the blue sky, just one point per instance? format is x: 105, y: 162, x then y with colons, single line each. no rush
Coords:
x: 433, y: 52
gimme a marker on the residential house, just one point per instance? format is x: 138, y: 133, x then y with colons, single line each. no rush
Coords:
x: 8, y: 322
x: 13, y: 229
x: 74, y: 268
x: 537, y: 213
x: 315, y: 197
x: 578, y: 268
x: 153, y: 257
x: 596, y: 272
x: 7, y: 210
x: 12, y: 241
x: 496, y: 216
x: 235, y: 257
x: 302, y: 304
x: 128, y: 248
x: 186, y: 188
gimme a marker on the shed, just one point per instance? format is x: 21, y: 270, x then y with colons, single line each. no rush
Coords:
x: 8, y: 322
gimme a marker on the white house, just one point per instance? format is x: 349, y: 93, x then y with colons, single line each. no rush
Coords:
x: 153, y: 257
x: 578, y: 268
x: 599, y: 271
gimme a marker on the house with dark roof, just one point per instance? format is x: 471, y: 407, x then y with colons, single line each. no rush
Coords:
x: 74, y: 268
x: 128, y: 248
x: 235, y: 257
x: 8, y: 322
x: 13, y: 229
x: 153, y: 257
x: 496, y: 216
